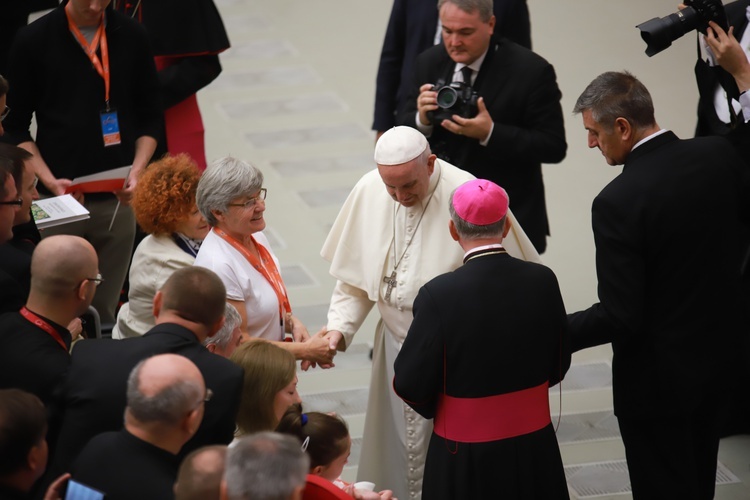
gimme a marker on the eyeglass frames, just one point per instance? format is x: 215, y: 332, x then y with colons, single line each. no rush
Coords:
x: 97, y: 281
x: 206, y: 399
x: 18, y: 202
x: 5, y: 113
x: 252, y: 201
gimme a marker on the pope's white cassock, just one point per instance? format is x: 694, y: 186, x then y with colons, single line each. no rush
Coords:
x: 363, y: 249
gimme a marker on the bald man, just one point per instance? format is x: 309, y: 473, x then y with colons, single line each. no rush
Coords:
x: 200, y: 474
x: 35, y: 340
x: 166, y: 397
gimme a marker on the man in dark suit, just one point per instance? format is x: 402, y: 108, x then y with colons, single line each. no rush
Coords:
x: 413, y: 28
x: 519, y: 123
x: 166, y: 397
x: 188, y: 308
x: 669, y: 305
x: 487, y: 388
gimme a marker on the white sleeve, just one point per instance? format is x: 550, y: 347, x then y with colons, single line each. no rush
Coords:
x: 348, y: 310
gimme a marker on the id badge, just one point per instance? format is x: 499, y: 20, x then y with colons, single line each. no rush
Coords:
x: 110, y: 127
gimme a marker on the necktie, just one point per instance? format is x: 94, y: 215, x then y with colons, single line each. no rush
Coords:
x: 466, y: 72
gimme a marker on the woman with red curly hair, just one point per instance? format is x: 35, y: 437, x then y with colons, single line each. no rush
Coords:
x: 164, y: 206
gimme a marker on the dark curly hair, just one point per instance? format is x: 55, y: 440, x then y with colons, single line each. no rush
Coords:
x: 165, y: 194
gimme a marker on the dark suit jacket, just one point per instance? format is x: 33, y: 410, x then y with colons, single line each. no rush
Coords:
x: 708, y: 77
x: 668, y: 251
x: 31, y: 359
x: 521, y: 94
x: 93, y: 395
x: 15, y: 269
x: 15, y: 277
x: 411, y: 30
x: 494, y: 326
x: 125, y: 467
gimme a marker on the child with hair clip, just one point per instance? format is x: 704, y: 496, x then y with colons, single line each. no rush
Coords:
x: 325, y: 438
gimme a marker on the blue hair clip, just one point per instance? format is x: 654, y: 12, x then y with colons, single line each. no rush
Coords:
x: 304, y: 418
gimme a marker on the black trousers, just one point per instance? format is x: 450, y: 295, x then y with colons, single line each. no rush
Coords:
x: 673, y: 457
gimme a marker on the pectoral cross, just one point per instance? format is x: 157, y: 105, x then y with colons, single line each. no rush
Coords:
x: 391, y: 280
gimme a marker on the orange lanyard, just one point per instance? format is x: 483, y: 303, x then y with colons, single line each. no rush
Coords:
x: 101, y: 67
x: 36, y: 320
x: 271, y: 275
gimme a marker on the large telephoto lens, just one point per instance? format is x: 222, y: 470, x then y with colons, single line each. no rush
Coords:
x: 660, y: 33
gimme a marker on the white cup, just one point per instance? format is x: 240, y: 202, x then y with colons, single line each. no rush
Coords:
x: 364, y: 485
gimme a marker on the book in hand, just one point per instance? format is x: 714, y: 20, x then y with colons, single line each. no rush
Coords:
x: 58, y: 210
x: 103, y: 182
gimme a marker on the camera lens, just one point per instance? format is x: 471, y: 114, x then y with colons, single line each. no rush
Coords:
x: 446, y: 97
x: 660, y: 33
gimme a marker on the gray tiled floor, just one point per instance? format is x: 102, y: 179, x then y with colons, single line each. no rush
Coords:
x: 295, y: 98
x: 290, y: 75
x: 325, y: 102
x: 602, y: 479
x: 360, y: 163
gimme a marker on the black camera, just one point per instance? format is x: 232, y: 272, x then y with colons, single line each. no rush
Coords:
x: 455, y: 98
x: 660, y: 33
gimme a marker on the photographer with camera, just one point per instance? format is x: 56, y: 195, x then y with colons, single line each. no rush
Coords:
x: 722, y: 70
x: 501, y: 121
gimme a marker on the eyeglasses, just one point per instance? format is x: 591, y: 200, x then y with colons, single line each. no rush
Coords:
x: 5, y: 113
x: 206, y: 398
x: 36, y: 182
x: 18, y: 202
x: 252, y: 201
x: 98, y: 280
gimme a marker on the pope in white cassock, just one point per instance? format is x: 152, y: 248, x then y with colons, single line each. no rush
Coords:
x: 389, y: 239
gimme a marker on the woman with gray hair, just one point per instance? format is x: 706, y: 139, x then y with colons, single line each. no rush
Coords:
x: 231, y: 197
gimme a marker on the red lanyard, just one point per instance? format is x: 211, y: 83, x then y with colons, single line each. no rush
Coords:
x: 36, y: 320
x: 102, y: 67
x: 272, y: 275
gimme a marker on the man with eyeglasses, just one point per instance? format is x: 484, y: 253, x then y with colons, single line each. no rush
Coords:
x: 15, y: 254
x: 166, y: 398
x: 36, y: 340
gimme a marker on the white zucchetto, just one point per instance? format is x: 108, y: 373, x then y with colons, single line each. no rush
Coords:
x: 399, y: 145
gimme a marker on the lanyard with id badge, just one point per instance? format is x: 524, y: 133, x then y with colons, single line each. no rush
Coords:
x: 108, y: 116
